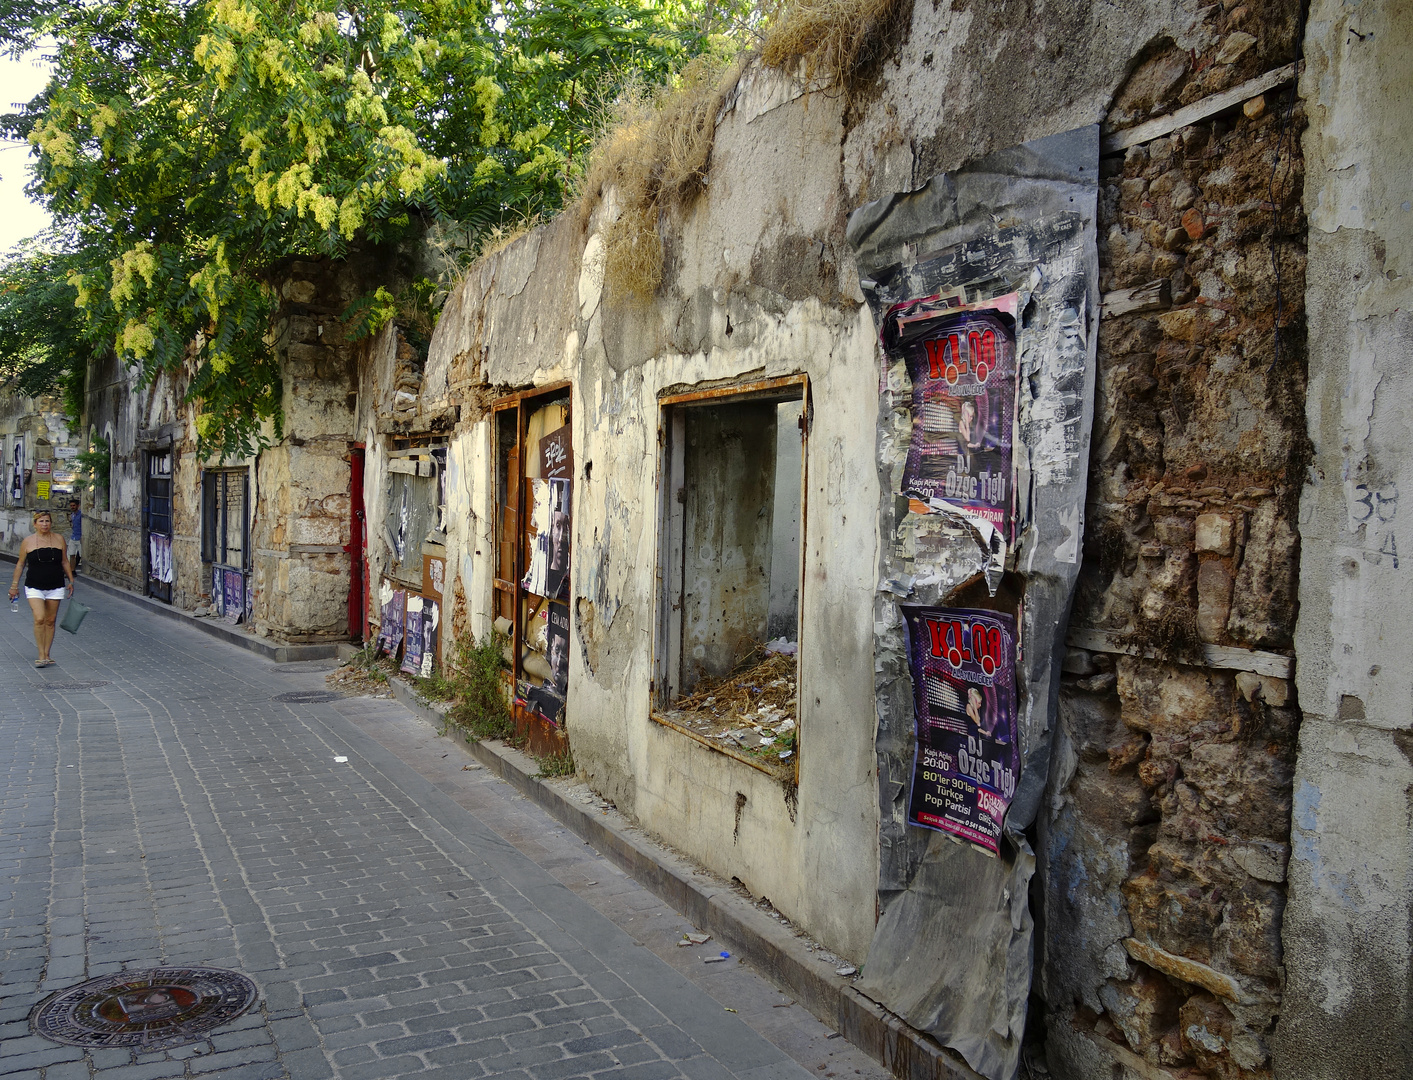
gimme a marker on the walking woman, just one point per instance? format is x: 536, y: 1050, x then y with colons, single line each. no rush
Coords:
x: 46, y: 556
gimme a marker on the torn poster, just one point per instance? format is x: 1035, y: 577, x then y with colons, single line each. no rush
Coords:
x: 393, y: 607
x: 537, y: 575
x: 557, y: 646
x: 431, y: 621
x: 159, y: 558
x: 962, y: 362
x: 557, y: 557
x: 233, y: 592
x: 1019, y: 220
x: 412, y: 653
x: 967, y: 758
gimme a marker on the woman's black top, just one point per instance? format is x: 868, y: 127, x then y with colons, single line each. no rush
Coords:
x: 46, y: 568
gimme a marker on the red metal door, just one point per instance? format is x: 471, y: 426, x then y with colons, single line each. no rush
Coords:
x: 357, y: 548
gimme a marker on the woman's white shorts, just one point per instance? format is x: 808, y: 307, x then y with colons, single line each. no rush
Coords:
x: 44, y: 594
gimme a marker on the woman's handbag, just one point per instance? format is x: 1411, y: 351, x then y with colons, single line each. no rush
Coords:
x: 73, y: 616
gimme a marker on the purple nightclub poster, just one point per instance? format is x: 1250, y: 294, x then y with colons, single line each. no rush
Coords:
x: 412, y: 653
x: 962, y: 362
x: 967, y: 759
x: 394, y: 611
x: 233, y: 593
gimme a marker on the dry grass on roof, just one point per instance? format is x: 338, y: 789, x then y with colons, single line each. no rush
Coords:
x: 833, y: 42
x: 655, y: 150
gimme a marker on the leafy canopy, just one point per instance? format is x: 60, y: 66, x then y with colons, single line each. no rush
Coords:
x: 186, y: 149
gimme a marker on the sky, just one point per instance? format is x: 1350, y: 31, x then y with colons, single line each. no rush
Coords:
x: 20, y: 80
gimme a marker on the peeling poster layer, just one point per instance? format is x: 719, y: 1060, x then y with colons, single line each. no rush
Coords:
x: 952, y: 950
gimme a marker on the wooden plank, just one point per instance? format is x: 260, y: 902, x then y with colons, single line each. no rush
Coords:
x: 1198, y: 110
x: 1155, y: 296
x: 1275, y: 665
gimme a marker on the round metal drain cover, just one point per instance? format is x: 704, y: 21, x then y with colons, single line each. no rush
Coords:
x: 308, y: 697
x: 74, y: 685
x: 156, y: 1009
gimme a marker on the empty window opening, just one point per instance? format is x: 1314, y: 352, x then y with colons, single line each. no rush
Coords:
x: 733, y: 515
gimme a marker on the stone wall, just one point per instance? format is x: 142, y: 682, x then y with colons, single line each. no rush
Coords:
x: 300, y: 490
x: 1168, y: 832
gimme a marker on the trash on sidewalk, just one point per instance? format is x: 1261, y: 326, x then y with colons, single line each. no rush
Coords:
x: 694, y: 939
x: 846, y: 970
x: 340, y: 760
x: 468, y: 768
x: 716, y: 959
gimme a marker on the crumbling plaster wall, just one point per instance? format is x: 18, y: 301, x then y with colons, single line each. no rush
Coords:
x: 134, y: 420
x: 39, y: 424
x: 758, y: 282
x: 1347, y: 930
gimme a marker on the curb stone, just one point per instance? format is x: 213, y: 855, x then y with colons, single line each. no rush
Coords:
x: 737, y: 923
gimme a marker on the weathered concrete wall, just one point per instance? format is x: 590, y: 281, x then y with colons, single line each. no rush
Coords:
x: 759, y: 283
x: 1347, y: 931
x: 117, y: 412
x: 39, y: 425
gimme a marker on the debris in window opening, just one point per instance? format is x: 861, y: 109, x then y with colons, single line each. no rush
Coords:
x: 753, y: 710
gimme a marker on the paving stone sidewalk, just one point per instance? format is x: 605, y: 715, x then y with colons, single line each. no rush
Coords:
x: 159, y: 808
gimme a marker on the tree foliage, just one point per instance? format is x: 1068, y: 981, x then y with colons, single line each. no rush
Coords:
x: 185, y: 149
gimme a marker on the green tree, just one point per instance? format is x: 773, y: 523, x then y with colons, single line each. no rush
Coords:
x: 186, y: 149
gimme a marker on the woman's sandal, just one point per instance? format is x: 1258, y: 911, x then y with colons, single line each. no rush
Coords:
x: 45, y: 663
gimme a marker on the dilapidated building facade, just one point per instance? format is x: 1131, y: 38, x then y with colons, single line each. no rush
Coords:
x: 733, y: 524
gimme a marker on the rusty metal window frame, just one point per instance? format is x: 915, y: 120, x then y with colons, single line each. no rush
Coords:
x: 666, y: 647
x: 523, y: 403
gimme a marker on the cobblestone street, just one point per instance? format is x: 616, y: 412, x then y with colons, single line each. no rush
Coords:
x: 398, y: 910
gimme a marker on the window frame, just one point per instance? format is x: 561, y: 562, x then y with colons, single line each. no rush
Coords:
x: 544, y: 737
x: 215, y: 503
x: 666, y: 659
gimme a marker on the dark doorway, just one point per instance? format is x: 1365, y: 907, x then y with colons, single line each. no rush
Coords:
x: 157, y: 524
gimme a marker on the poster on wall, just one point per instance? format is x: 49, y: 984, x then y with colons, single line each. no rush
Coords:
x: 393, y: 608
x: 962, y: 362
x: 412, y: 652
x: 431, y: 623
x: 218, y: 590
x: 159, y: 554
x: 557, y: 646
x: 967, y: 759
x: 233, y: 591
x: 557, y: 556
x: 17, y: 474
x: 537, y: 575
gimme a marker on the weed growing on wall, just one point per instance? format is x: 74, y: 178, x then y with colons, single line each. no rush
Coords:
x: 92, y: 467
x: 472, y: 683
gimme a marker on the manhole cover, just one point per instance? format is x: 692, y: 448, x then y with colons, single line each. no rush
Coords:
x: 73, y: 685
x: 308, y: 697
x: 156, y: 1009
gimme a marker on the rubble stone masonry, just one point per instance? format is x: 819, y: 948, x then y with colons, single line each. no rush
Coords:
x: 1170, y: 812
